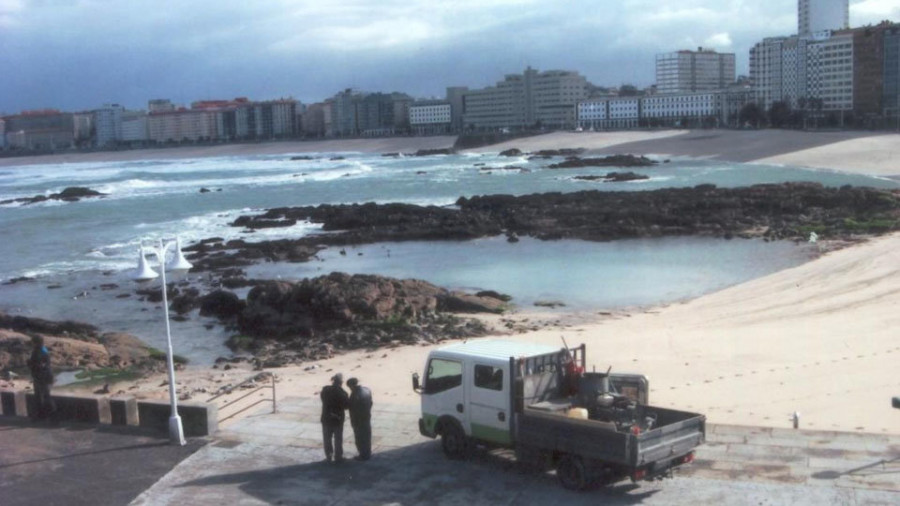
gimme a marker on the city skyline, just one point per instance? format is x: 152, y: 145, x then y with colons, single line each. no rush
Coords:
x: 77, y: 55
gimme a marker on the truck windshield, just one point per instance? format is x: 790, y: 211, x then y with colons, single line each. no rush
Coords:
x: 442, y: 375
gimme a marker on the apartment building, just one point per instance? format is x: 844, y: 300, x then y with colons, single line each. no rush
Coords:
x: 693, y: 71
x: 528, y: 100
x: 713, y: 108
x: 45, y: 129
x: 609, y: 113
x: 891, y: 88
x: 431, y: 117
x: 819, y: 15
x: 829, y: 71
x: 818, y: 66
x: 312, y: 123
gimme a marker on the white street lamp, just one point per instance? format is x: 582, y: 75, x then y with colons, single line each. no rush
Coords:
x: 145, y: 273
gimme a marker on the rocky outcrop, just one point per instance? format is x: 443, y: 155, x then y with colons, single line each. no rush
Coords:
x: 608, y: 161
x: 278, y: 309
x: 72, y: 345
x: 773, y: 211
x: 284, y: 322
x: 614, y: 177
x: 221, y: 304
x: 70, y: 194
x: 511, y: 152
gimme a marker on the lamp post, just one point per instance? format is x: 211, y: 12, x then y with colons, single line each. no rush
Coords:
x: 146, y: 273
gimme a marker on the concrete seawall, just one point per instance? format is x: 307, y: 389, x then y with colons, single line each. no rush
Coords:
x: 198, y: 419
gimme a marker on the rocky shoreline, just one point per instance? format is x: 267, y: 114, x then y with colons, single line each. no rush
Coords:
x: 771, y: 211
x: 280, y: 323
x: 74, y: 346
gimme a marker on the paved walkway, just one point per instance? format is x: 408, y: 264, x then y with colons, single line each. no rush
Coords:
x: 277, y: 459
x: 73, y: 464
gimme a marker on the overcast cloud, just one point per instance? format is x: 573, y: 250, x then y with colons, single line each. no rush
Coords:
x: 79, y: 54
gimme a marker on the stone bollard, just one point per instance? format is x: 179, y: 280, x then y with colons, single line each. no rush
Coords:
x: 123, y: 411
x: 13, y: 403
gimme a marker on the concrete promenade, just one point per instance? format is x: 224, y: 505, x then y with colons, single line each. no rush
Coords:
x: 278, y: 459
x: 74, y: 464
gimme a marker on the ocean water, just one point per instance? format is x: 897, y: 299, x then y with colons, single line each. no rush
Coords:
x: 75, y: 252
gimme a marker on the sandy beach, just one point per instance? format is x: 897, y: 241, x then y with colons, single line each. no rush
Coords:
x: 819, y: 339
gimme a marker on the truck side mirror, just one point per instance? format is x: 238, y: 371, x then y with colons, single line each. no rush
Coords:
x: 415, y: 380
x: 895, y: 402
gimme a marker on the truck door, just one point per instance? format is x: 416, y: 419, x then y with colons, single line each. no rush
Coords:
x: 489, y: 402
x: 442, y: 392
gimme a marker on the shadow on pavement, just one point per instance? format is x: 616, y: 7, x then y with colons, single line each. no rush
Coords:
x: 81, y: 464
x: 416, y: 474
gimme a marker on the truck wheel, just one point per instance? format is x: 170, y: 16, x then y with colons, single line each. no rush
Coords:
x: 454, y: 443
x: 571, y: 473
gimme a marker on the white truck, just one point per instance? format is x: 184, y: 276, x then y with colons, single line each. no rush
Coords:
x: 538, y: 399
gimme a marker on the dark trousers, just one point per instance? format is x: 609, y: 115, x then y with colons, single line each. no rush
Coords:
x: 333, y: 434
x: 44, y: 405
x: 362, y: 433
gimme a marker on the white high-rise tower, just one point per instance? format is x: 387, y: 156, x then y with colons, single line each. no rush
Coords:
x: 817, y: 15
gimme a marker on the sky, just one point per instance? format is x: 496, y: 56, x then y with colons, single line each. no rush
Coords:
x: 80, y: 54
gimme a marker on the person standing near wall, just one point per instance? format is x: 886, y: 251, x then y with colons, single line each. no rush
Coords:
x: 42, y: 377
x: 361, y: 418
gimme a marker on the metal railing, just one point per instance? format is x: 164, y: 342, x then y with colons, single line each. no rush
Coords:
x: 232, y: 402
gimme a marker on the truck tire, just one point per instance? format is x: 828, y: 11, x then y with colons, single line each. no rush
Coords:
x: 454, y: 442
x: 571, y: 473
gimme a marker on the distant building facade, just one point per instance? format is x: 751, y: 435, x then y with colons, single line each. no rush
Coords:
x: 532, y: 99
x: 223, y: 120
x: 431, y: 117
x: 355, y: 113
x: 108, y: 125
x: 312, y: 123
x: 788, y: 69
x: 43, y: 130
x: 819, y: 15
x: 693, y: 71
x: 891, y: 89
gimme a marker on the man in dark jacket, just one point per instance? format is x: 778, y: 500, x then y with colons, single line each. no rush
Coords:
x: 334, y: 402
x: 42, y: 376
x: 361, y: 418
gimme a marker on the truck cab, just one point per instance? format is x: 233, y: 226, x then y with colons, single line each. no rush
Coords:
x: 466, y: 391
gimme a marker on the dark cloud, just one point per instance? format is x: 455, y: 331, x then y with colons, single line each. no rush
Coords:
x: 79, y: 54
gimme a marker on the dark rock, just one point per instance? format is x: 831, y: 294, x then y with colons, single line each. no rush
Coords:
x: 205, y: 190
x: 608, y: 161
x: 511, y: 152
x: 432, y: 152
x: 337, y: 158
x: 186, y: 301
x: 614, y: 177
x: 301, y: 158
x: 20, y: 279
x: 221, y: 304
x: 548, y: 153
x: 70, y: 194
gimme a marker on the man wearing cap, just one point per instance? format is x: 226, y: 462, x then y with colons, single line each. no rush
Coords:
x: 361, y: 418
x: 334, y: 402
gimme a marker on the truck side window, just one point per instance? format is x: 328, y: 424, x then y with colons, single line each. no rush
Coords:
x: 489, y: 377
x: 442, y: 375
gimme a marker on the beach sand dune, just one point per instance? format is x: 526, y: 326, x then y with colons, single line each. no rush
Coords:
x: 820, y: 339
